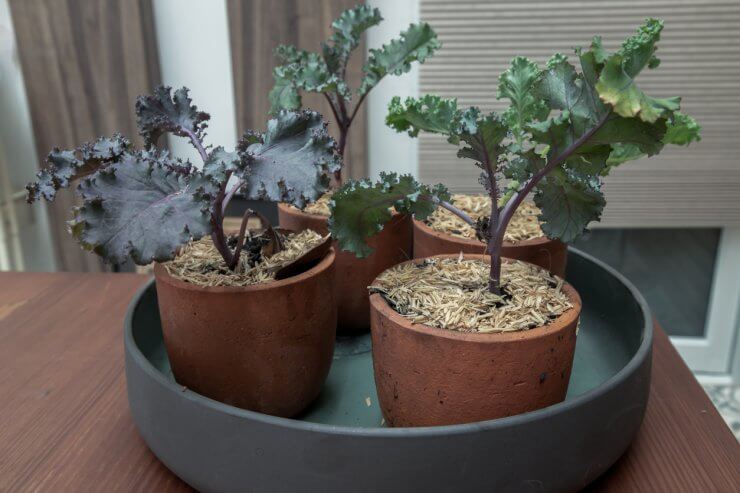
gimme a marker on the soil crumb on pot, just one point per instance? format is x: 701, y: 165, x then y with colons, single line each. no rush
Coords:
x: 453, y: 294
x: 201, y: 264
x: 524, y: 224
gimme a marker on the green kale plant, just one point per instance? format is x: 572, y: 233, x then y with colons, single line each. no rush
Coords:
x: 563, y: 131
x: 144, y: 205
x: 325, y: 72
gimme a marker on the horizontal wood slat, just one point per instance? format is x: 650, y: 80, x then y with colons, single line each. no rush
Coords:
x: 699, y: 49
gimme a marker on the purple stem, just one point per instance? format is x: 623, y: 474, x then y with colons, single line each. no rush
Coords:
x: 459, y: 213
x: 229, y: 195
x: 196, y: 143
x: 240, y: 240
x: 497, y: 238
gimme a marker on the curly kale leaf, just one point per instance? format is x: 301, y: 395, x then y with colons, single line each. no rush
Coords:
x: 616, y: 85
x: 64, y: 166
x: 432, y: 114
x: 221, y: 164
x: 482, y: 134
x: 485, y: 145
x: 163, y: 112
x: 415, y: 44
x: 348, y: 29
x: 141, y: 209
x: 601, y: 120
x: 360, y: 209
x: 284, y: 94
x: 290, y: 162
x: 568, y: 204
x: 324, y: 72
x: 682, y: 130
x: 516, y: 84
x: 307, y: 72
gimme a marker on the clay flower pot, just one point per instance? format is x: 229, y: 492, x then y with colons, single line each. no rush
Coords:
x: 426, y: 376
x: 549, y: 254
x: 353, y: 275
x: 265, y: 347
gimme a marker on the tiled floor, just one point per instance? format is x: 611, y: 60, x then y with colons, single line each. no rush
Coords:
x: 727, y: 400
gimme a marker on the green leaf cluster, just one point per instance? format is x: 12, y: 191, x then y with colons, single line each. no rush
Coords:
x: 324, y: 72
x: 565, y: 128
x: 359, y: 209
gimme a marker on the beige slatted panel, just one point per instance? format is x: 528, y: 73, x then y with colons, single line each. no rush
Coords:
x: 700, y: 52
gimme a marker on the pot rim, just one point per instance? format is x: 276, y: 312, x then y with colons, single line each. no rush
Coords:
x: 291, y: 209
x: 642, y: 352
x: 421, y: 225
x: 161, y: 275
x: 564, y: 320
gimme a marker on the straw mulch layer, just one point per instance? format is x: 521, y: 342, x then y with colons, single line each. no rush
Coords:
x: 524, y: 224
x: 320, y: 207
x: 201, y: 264
x: 453, y: 294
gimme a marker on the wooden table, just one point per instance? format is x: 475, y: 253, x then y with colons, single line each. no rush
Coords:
x: 65, y: 423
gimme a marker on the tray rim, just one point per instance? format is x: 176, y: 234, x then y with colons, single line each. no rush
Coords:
x: 643, y: 351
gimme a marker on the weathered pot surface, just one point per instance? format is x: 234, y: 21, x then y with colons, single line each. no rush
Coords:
x: 264, y: 347
x: 427, y: 376
x: 353, y: 275
x: 549, y: 254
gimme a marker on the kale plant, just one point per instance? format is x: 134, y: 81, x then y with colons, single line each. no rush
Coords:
x: 144, y: 205
x: 325, y: 72
x: 563, y: 131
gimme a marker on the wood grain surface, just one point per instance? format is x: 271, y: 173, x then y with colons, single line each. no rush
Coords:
x: 256, y: 27
x: 84, y: 62
x: 66, y: 426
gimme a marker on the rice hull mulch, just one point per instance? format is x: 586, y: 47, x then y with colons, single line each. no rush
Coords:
x: 263, y: 347
x: 426, y: 376
x: 391, y: 246
x: 549, y: 254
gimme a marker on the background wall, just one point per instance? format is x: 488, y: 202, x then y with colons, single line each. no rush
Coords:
x: 24, y: 239
x: 84, y: 62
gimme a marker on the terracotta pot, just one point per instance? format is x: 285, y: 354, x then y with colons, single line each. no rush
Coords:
x: 426, y: 376
x: 549, y: 254
x: 265, y: 347
x: 353, y: 275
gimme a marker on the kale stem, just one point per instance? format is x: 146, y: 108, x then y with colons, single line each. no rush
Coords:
x: 520, y: 195
x: 195, y: 140
x: 229, y: 195
x: 240, y: 241
x: 459, y: 213
x: 497, y: 237
x: 333, y: 108
x: 217, y: 222
x: 357, y: 108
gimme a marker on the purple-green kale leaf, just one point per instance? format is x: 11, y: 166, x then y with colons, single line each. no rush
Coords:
x: 163, y: 112
x: 415, y: 44
x: 62, y: 167
x: 360, y: 209
x: 141, y: 209
x: 290, y: 162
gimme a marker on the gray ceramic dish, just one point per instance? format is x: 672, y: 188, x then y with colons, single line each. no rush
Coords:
x: 339, y: 444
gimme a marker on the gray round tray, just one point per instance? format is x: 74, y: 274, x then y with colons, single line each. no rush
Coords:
x: 340, y: 443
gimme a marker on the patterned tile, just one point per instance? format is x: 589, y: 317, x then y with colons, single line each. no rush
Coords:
x: 727, y: 400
